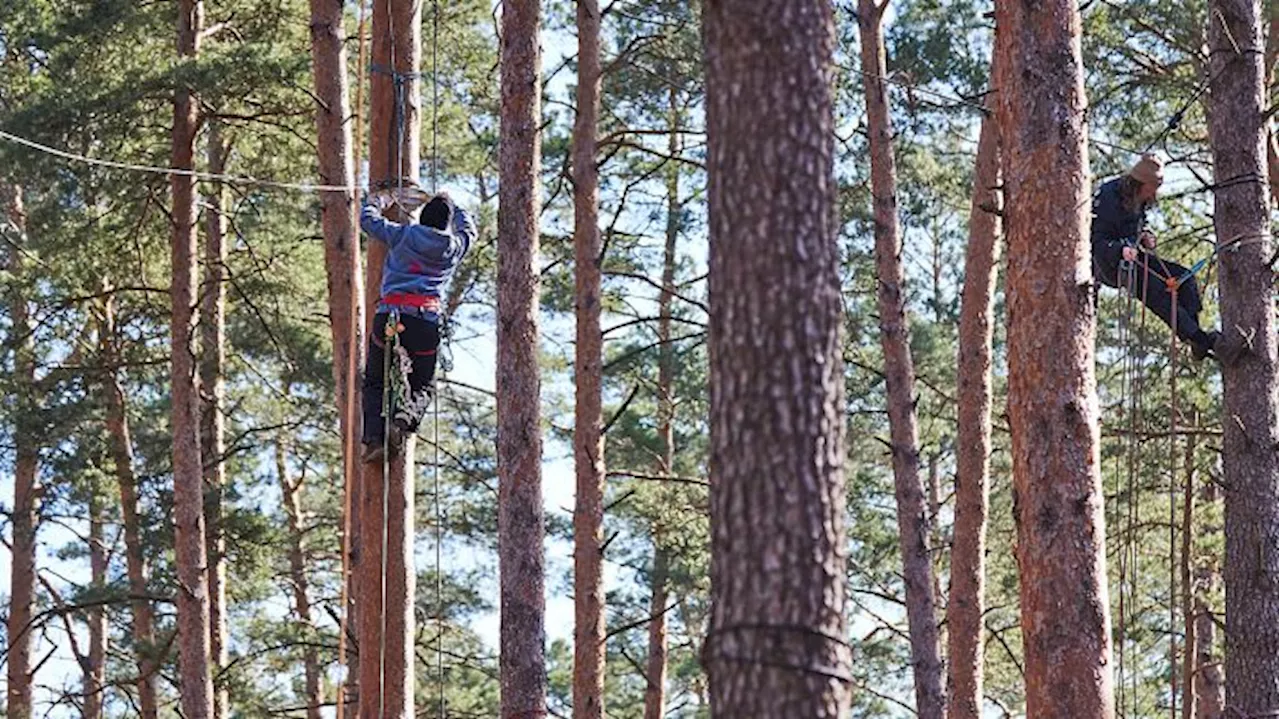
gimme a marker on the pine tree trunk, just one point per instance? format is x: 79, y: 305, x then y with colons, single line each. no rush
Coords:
x: 913, y: 537
x: 121, y: 445
x: 213, y: 320
x: 777, y: 642
x: 973, y: 435
x: 386, y: 617
x: 95, y: 673
x: 195, y: 680
x: 656, y: 666
x: 1251, y: 439
x: 1190, y: 637
x: 291, y: 495
x: 588, y: 440
x: 521, y: 570
x: 1053, y: 404
x: 342, y: 270
x: 25, y: 491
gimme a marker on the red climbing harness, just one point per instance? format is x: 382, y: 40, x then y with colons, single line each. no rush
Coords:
x: 423, y: 303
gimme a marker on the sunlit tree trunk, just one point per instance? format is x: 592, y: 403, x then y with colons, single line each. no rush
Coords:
x: 195, y: 679
x: 212, y: 387
x: 291, y: 496
x: 1053, y: 403
x: 386, y: 618
x: 25, y: 491
x: 899, y: 370
x: 121, y: 446
x: 522, y: 665
x: 95, y: 670
x: 1251, y: 439
x: 973, y: 435
x: 776, y: 646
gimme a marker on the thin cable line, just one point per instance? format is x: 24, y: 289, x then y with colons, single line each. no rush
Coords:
x: 174, y: 171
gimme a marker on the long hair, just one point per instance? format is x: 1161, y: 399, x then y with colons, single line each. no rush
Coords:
x: 1129, y: 194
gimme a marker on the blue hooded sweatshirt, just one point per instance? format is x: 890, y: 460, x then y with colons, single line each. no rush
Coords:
x: 420, y: 259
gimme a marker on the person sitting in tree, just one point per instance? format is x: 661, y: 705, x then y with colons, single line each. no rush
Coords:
x: 1124, y: 257
x: 421, y: 258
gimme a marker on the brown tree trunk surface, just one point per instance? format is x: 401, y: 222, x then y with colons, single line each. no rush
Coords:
x: 521, y: 570
x: 25, y: 491
x: 1053, y: 405
x: 588, y: 441
x: 1251, y: 439
x: 117, y: 425
x: 385, y: 611
x: 913, y: 534
x: 973, y: 435
x: 342, y: 271
x: 291, y: 496
x: 656, y: 664
x: 95, y: 673
x: 196, y: 680
x: 776, y: 646
x: 213, y: 320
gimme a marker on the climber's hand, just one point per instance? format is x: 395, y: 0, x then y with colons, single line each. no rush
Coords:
x: 1130, y: 254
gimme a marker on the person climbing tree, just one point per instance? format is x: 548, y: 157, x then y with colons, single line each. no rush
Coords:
x: 1124, y: 256
x: 420, y: 261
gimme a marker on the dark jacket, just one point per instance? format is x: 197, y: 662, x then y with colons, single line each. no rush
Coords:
x: 1114, y: 227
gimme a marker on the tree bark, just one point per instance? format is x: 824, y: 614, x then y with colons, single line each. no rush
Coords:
x: 1053, y: 405
x: 291, y: 495
x: 1251, y: 438
x: 1210, y: 698
x: 117, y: 424
x: 95, y: 673
x: 213, y: 320
x: 656, y: 665
x: 973, y: 435
x: 342, y: 271
x: 1190, y: 638
x: 521, y: 570
x: 913, y: 535
x: 777, y: 642
x: 588, y: 440
x: 26, y: 493
x: 385, y: 610
x: 195, y: 681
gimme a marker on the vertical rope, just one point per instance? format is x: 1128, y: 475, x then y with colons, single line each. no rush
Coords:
x: 1173, y: 496
x: 435, y: 394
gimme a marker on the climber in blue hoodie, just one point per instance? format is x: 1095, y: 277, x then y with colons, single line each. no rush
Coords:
x: 421, y: 259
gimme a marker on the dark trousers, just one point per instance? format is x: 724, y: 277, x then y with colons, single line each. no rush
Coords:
x: 421, y: 339
x: 1149, y: 273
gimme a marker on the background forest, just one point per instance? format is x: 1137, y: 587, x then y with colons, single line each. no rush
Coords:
x: 85, y: 319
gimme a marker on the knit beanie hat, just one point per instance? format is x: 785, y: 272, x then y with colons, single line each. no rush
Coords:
x: 1149, y: 170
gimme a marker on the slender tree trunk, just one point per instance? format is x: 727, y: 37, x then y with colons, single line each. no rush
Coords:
x: 588, y: 440
x: 342, y: 269
x: 25, y: 490
x: 385, y: 611
x: 291, y: 495
x: 520, y: 517
x: 117, y: 422
x: 1251, y: 439
x: 1190, y: 638
x: 777, y: 643
x: 913, y: 537
x: 95, y: 673
x: 973, y: 435
x: 656, y: 666
x: 212, y: 445
x: 1210, y: 697
x: 1272, y: 54
x: 1053, y: 404
x: 195, y: 681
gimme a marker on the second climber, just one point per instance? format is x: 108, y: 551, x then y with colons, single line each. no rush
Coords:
x: 421, y: 259
x: 1124, y: 255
